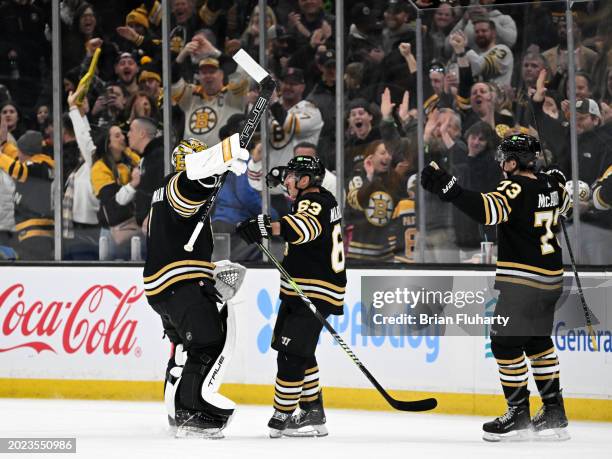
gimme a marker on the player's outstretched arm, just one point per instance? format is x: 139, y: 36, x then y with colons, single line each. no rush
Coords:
x: 487, y: 208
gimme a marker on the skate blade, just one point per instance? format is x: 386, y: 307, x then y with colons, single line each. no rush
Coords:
x: 514, y: 436
x: 556, y: 434
x: 194, y: 432
x: 307, y: 431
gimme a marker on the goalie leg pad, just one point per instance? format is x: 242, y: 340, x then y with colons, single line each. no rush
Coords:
x: 174, y: 372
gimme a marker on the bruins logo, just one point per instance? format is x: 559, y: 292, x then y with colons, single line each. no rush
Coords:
x: 203, y: 120
x: 380, y: 208
x: 501, y: 130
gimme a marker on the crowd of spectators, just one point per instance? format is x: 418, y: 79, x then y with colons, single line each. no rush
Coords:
x: 489, y: 70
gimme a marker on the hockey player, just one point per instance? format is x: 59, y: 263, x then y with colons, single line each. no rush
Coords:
x: 179, y: 285
x: 526, y: 206
x: 314, y: 257
x: 602, y: 191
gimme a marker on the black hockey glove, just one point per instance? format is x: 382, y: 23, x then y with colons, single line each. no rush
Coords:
x: 255, y: 229
x: 440, y: 182
x: 555, y: 172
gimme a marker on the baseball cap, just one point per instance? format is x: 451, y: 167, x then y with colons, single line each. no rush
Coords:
x: 124, y: 55
x: 327, y: 59
x: 588, y: 106
x: 209, y: 61
x: 362, y: 14
x: 397, y: 6
x: 293, y: 75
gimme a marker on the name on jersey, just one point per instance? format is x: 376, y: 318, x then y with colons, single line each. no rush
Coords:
x: 548, y: 200
x: 158, y: 195
x: 335, y: 214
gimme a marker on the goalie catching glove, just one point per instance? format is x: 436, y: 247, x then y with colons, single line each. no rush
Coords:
x: 218, y: 159
x: 436, y: 180
x: 255, y: 229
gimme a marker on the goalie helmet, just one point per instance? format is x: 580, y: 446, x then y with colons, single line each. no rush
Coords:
x: 522, y: 148
x: 186, y: 147
x: 306, y: 166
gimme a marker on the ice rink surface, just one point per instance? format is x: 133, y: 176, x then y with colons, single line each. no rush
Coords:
x: 116, y: 430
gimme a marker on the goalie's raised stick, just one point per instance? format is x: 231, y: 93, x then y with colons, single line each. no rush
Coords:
x: 401, y: 405
x: 267, y: 85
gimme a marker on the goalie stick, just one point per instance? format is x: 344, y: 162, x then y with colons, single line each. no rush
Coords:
x: 267, y: 85
x: 401, y: 405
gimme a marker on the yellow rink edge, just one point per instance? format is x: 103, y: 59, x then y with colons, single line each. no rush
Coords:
x: 257, y: 394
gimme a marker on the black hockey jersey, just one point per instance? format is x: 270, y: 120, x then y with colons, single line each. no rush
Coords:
x: 527, y: 213
x: 315, y: 253
x: 172, y: 218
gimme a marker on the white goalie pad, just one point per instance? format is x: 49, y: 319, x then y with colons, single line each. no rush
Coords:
x: 180, y: 357
x: 228, y: 278
x: 218, y: 159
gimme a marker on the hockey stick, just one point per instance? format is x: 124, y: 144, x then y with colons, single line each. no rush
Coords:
x: 585, y: 308
x: 401, y: 405
x: 267, y: 84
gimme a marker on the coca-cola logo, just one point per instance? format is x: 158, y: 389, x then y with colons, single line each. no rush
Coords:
x: 96, y: 322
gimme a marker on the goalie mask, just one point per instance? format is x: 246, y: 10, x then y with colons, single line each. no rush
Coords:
x: 522, y: 148
x: 185, y: 147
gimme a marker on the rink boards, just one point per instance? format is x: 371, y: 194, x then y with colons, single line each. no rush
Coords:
x: 81, y: 332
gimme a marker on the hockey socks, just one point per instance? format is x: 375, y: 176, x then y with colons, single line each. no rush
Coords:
x: 513, y: 373
x: 545, y: 368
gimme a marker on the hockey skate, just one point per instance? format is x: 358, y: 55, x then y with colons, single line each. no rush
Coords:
x: 550, y: 422
x: 514, y: 425
x: 309, y: 422
x: 197, y: 424
x: 278, y: 423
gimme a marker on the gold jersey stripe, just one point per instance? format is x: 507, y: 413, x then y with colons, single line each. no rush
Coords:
x: 315, y: 295
x: 176, y: 264
x: 308, y: 224
x: 298, y: 231
x: 302, y: 280
x: 34, y: 222
x: 528, y: 283
x: 487, y: 210
x: 35, y: 233
x: 180, y: 196
x: 174, y: 280
x: 547, y: 272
